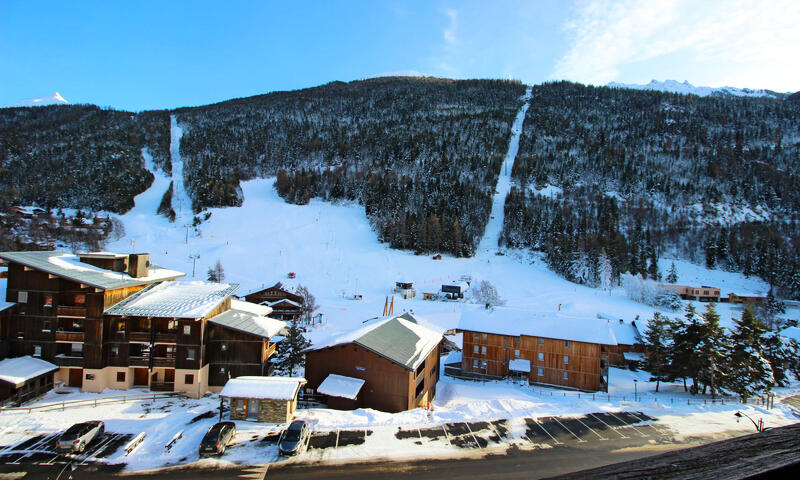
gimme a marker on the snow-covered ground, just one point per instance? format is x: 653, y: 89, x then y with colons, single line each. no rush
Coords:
x: 686, y: 88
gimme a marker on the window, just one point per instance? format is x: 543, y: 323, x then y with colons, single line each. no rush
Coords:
x: 221, y: 369
x: 239, y: 404
x: 187, y: 329
x: 474, y: 364
x: 475, y: 335
x: 541, y: 357
x: 483, y: 364
x: 170, y: 351
x: 483, y: 350
x: 224, y: 347
x: 79, y: 299
x: 46, y: 326
x: 188, y: 379
x: 190, y: 353
x: 566, y: 359
x: 566, y: 343
x: 540, y: 372
x: 475, y: 349
x: 172, y: 325
x: 565, y: 375
x: 37, y: 350
x: 121, y: 326
x: 484, y: 336
x: 48, y: 300
x: 76, y: 349
x: 361, y: 369
x: 22, y: 297
x: 90, y: 376
x: 20, y: 335
x: 114, y: 351
x: 77, y: 324
x: 516, y: 353
x: 517, y: 339
x: 541, y: 341
x: 120, y: 377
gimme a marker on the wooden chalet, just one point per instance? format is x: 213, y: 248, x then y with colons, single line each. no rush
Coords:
x: 749, y: 300
x: 698, y: 294
x: 285, y: 305
x: 543, y: 348
x: 25, y: 378
x: 630, y: 346
x: 397, y: 359
x: 262, y: 399
x: 116, y: 321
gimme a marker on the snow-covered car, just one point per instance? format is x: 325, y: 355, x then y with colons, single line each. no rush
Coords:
x: 79, y: 435
x: 294, y: 438
x: 217, y: 438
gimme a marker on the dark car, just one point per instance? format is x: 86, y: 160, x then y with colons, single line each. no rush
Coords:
x: 217, y: 438
x: 294, y: 438
x: 79, y: 435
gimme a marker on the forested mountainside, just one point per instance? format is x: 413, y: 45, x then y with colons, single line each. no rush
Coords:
x: 421, y: 155
x: 78, y: 156
x: 637, y: 173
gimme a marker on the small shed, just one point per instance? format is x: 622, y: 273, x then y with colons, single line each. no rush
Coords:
x: 342, y: 392
x: 455, y: 290
x: 263, y: 399
x: 405, y: 289
x: 25, y: 378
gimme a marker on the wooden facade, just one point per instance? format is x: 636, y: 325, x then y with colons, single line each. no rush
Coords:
x: 282, y: 310
x: 699, y: 294
x: 565, y: 363
x: 388, y: 386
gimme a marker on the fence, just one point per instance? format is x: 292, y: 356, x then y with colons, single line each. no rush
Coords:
x: 93, y: 402
x: 766, y: 401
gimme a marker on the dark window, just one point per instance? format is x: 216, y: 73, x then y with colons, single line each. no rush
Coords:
x: 48, y: 301
x: 90, y: 376
x: 420, y: 388
x: 420, y: 369
x: 120, y: 376
x: 566, y: 343
x: 188, y: 379
x: 46, y: 326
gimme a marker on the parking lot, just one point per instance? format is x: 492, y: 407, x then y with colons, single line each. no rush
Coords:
x: 41, y: 450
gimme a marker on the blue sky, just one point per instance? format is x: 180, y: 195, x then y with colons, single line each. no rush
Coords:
x: 165, y: 54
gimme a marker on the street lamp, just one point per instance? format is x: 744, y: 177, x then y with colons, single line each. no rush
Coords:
x: 635, y: 390
x: 759, y: 426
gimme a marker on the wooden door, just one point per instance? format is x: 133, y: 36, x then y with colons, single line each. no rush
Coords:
x: 76, y: 377
x: 252, y: 408
x: 169, y: 375
x: 139, y: 377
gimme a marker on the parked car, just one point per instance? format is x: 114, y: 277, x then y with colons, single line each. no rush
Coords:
x: 79, y: 435
x: 217, y: 438
x: 294, y: 438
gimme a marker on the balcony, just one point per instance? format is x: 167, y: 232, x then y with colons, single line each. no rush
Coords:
x: 65, y: 336
x: 68, y: 361
x: 166, y: 337
x: 77, y: 312
x: 168, y: 362
x: 138, y: 361
x: 140, y: 337
x: 162, y: 386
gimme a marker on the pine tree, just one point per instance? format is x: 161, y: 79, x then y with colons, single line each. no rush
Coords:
x: 750, y: 370
x: 290, y: 351
x: 672, y: 276
x: 685, y: 359
x: 712, y: 348
x: 657, y: 340
x: 216, y: 273
x: 782, y: 354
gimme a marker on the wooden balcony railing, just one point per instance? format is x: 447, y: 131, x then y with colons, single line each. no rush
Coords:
x: 166, y: 337
x: 65, y: 336
x: 79, y: 312
x: 162, y: 386
x: 138, y: 361
x: 164, y: 362
x: 143, y: 337
x: 68, y: 361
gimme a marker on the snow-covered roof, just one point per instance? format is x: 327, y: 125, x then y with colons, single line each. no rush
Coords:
x: 17, y: 371
x: 69, y: 266
x: 174, y: 299
x: 3, y: 304
x: 463, y: 286
x: 340, y: 386
x: 248, y: 322
x: 282, y: 300
x: 514, y: 322
x: 398, y: 338
x: 254, y: 308
x: 633, y: 356
x: 520, y: 365
x: 791, y: 332
x: 276, y: 388
x: 452, y: 357
x: 626, y: 333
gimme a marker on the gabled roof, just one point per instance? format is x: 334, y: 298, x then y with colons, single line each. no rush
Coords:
x: 282, y: 300
x: 248, y: 321
x: 515, y: 322
x: 340, y: 386
x: 396, y: 338
x: 175, y: 300
x: 17, y: 371
x: 277, y: 388
x: 69, y: 266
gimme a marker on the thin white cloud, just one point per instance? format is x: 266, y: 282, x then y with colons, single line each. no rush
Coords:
x: 747, y: 43
x: 450, y: 32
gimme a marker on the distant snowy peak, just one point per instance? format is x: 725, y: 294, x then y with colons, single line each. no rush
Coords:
x: 55, y: 99
x: 686, y: 88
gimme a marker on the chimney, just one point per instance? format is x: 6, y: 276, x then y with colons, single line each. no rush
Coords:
x: 621, y: 321
x: 138, y: 264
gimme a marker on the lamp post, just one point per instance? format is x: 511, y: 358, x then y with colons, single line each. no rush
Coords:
x: 759, y: 426
x: 635, y: 390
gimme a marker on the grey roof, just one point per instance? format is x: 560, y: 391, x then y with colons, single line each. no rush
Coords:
x: 397, y: 338
x: 249, y: 322
x: 174, y: 300
x: 69, y: 266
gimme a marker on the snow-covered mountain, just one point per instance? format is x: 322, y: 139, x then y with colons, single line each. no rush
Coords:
x: 55, y: 99
x: 686, y: 88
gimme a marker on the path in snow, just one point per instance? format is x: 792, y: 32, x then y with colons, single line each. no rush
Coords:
x: 180, y: 199
x: 492, y: 233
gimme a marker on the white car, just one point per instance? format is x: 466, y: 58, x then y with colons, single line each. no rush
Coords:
x: 79, y: 435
